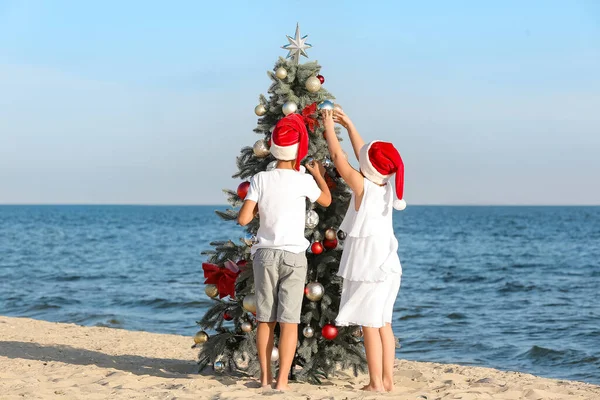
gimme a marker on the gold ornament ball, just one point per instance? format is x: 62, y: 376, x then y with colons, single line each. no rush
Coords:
x: 211, y: 291
x: 330, y: 234
x: 289, y: 107
x: 275, y: 355
x: 313, y: 84
x: 246, y: 326
x: 314, y: 291
x: 260, y: 149
x: 260, y: 110
x: 281, y: 73
x: 200, y: 337
x: 249, y: 303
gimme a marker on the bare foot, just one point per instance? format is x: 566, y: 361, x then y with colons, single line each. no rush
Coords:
x: 370, y: 388
x: 282, y: 387
x: 266, y: 382
x: 389, y: 387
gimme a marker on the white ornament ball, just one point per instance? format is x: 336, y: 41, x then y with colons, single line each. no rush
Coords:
x: 281, y: 73
x: 330, y: 234
x: 312, y: 219
x: 289, y: 107
x: 260, y: 110
x: 275, y: 355
x: 308, y: 332
x: 211, y: 291
x: 249, y: 303
x: 272, y: 165
x: 246, y: 326
x: 260, y: 149
x: 314, y: 291
x: 313, y: 84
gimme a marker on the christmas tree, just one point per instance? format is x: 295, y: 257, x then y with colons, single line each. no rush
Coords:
x: 322, y: 347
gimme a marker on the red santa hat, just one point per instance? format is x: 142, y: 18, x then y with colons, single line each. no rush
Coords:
x: 378, y: 161
x: 290, y: 139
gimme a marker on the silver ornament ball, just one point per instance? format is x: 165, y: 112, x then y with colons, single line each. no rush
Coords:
x: 211, y: 291
x: 272, y: 165
x: 289, y: 107
x: 281, y: 73
x: 249, y: 303
x: 249, y: 239
x: 246, y: 326
x: 260, y: 149
x: 260, y: 110
x: 219, y: 366
x: 326, y: 105
x: 314, y: 291
x: 312, y: 219
x: 313, y: 84
x: 357, y: 332
x: 327, y: 163
x: 275, y: 355
x: 308, y: 332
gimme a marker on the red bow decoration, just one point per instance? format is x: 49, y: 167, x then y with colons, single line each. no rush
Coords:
x: 308, y: 114
x: 222, y: 278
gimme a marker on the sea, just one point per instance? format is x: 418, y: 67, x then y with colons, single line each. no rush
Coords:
x: 513, y: 288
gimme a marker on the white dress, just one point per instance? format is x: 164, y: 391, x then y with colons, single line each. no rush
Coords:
x: 370, y: 265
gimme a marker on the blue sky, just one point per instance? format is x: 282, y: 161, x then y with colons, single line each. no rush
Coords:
x: 149, y: 102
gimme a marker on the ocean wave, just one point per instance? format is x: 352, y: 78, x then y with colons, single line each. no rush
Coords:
x: 160, y: 303
x: 456, y: 315
x: 514, y: 287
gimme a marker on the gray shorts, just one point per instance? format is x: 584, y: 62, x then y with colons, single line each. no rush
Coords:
x: 279, y: 278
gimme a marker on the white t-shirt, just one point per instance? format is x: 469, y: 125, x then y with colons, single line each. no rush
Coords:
x: 280, y: 194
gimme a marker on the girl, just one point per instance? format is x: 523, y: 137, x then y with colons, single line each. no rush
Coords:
x: 370, y: 265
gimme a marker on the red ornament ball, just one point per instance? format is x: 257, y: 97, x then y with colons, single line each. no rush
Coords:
x: 242, y: 263
x: 330, y: 244
x: 329, y: 332
x: 242, y: 189
x: 226, y: 316
x: 321, y: 79
x: 316, y: 248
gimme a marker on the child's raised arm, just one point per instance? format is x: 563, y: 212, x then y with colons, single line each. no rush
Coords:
x: 357, y: 142
x: 353, y: 178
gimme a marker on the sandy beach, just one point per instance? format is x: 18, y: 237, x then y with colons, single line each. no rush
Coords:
x: 44, y: 360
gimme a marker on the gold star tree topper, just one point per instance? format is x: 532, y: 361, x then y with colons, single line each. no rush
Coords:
x: 296, y: 46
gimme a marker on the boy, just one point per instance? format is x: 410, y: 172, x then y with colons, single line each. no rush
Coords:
x: 279, y: 255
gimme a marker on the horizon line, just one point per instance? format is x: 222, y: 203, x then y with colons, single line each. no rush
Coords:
x: 229, y: 205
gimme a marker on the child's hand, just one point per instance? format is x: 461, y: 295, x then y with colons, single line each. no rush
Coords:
x: 341, y: 118
x: 315, y: 167
x: 327, y: 116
